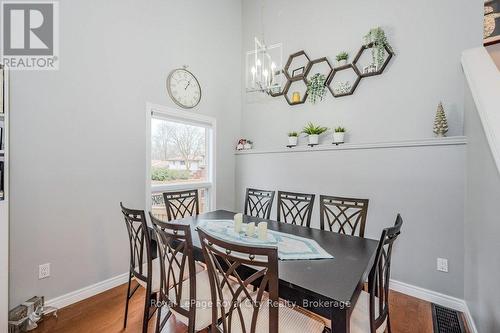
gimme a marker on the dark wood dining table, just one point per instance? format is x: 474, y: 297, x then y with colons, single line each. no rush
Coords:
x: 327, y: 287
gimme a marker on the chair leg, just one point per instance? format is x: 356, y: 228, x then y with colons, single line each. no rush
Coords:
x: 158, y: 320
x: 126, y: 302
x: 147, y: 304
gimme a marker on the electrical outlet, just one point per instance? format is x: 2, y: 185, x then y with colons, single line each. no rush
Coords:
x: 43, y: 271
x: 442, y: 265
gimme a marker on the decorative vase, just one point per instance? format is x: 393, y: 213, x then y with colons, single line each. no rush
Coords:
x: 292, y: 140
x: 313, y: 139
x: 342, y: 62
x: 338, y: 137
x: 247, y: 146
x: 296, y: 97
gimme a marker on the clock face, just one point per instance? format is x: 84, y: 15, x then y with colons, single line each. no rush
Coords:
x: 184, y: 88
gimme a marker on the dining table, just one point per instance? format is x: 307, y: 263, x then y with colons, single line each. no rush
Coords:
x: 327, y: 287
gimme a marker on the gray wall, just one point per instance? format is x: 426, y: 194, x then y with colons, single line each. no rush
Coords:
x: 78, y: 134
x: 428, y: 37
x: 424, y: 184
x: 482, y: 230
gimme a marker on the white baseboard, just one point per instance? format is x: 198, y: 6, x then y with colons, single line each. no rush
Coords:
x: 405, y: 288
x: 86, y: 292
x: 435, y: 297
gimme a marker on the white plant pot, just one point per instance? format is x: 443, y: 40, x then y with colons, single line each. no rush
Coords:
x: 313, y: 139
x: 338, y: 137
x: 247, y: 146
x: 292, y: 140
x: 342, y: 62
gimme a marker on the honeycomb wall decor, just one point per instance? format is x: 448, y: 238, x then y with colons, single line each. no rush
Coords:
x: 336, y: 88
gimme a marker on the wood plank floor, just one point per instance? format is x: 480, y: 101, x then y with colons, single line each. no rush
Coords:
x: 104, y: 313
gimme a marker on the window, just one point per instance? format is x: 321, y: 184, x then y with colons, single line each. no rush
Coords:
x: 180, y: 157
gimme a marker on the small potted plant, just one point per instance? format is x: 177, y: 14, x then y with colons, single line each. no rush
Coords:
x: 338, y: 135
x: 316, y: 88
x: 248, y: 145
x: 293, y: 138
x: 342, y: 58
x: 313, y: 132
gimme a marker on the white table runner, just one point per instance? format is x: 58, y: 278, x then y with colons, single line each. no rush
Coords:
x: 290, y: 247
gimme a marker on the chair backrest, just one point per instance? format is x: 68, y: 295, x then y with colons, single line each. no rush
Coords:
x: 140, y: 242
x: 181, y: 204
x: 343, y: 215
x: 176, y: 261
x: 226, y: 266
x: 379, y: 276
x: 295, y: 208
x: 258, y: 203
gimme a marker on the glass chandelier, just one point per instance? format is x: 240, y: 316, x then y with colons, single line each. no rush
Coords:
x: 264, y: 65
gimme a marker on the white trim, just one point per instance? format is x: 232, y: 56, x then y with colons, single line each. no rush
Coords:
x: 484, y: 83
x: 435, y: 297
x: 180, y: 186
x: 454, y: 140
x: 190, y: 118
x: 4, y: 210
x: 87, y: 292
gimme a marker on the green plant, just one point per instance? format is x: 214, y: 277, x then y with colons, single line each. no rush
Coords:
x: 342, y: 56
x: 162, y: 174
x: 378, y: 39
x: 311, y: 129
x: 316, y: 88
x: 339, y: 130
x: 293, y: 134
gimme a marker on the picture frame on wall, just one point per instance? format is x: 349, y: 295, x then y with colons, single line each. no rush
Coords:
x: 298, y: 71
x: 491, y: 30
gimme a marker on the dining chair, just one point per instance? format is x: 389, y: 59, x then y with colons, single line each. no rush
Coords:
x: 254, y: 304
x: 258, y: 203
x: 343, y: 215
x: 142, y: 267
x: 371, y: 312
x: 181, y: 204
x: 295, y: 208
x: 182, y: 280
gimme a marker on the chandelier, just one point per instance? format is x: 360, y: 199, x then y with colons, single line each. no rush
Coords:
x: 264, y: 65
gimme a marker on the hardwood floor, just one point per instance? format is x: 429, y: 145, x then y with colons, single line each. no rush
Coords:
x: 104, y: 313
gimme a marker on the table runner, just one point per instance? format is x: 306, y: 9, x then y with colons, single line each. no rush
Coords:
x: 290, y: 247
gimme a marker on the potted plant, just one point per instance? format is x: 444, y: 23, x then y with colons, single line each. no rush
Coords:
x: 313, y: 132
x: 342, y: 58
x: 316, y: 88
x: 338, y: 135
x: 248, y: 145
x: 293, y: 138
x: 378, y: 40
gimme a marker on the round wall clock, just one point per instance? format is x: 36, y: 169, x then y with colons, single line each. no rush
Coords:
x: 184, y: 88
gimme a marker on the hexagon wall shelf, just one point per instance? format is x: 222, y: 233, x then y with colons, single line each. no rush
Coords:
x: 288, y: 85
x: 340, y: 69
x: 317, y: 62
x: 364, y: 48
x: 299, y: 54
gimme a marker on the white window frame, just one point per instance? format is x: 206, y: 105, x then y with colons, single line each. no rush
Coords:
x: 188, y: 118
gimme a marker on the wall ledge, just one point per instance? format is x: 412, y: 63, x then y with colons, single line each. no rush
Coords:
x: 447, y: 141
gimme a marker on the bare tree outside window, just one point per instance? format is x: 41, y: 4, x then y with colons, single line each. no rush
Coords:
x: 178, y: 152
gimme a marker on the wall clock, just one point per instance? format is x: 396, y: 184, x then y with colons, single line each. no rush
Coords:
x: 184, y: 88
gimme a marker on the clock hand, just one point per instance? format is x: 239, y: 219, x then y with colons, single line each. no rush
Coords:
x: 189, y: 82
